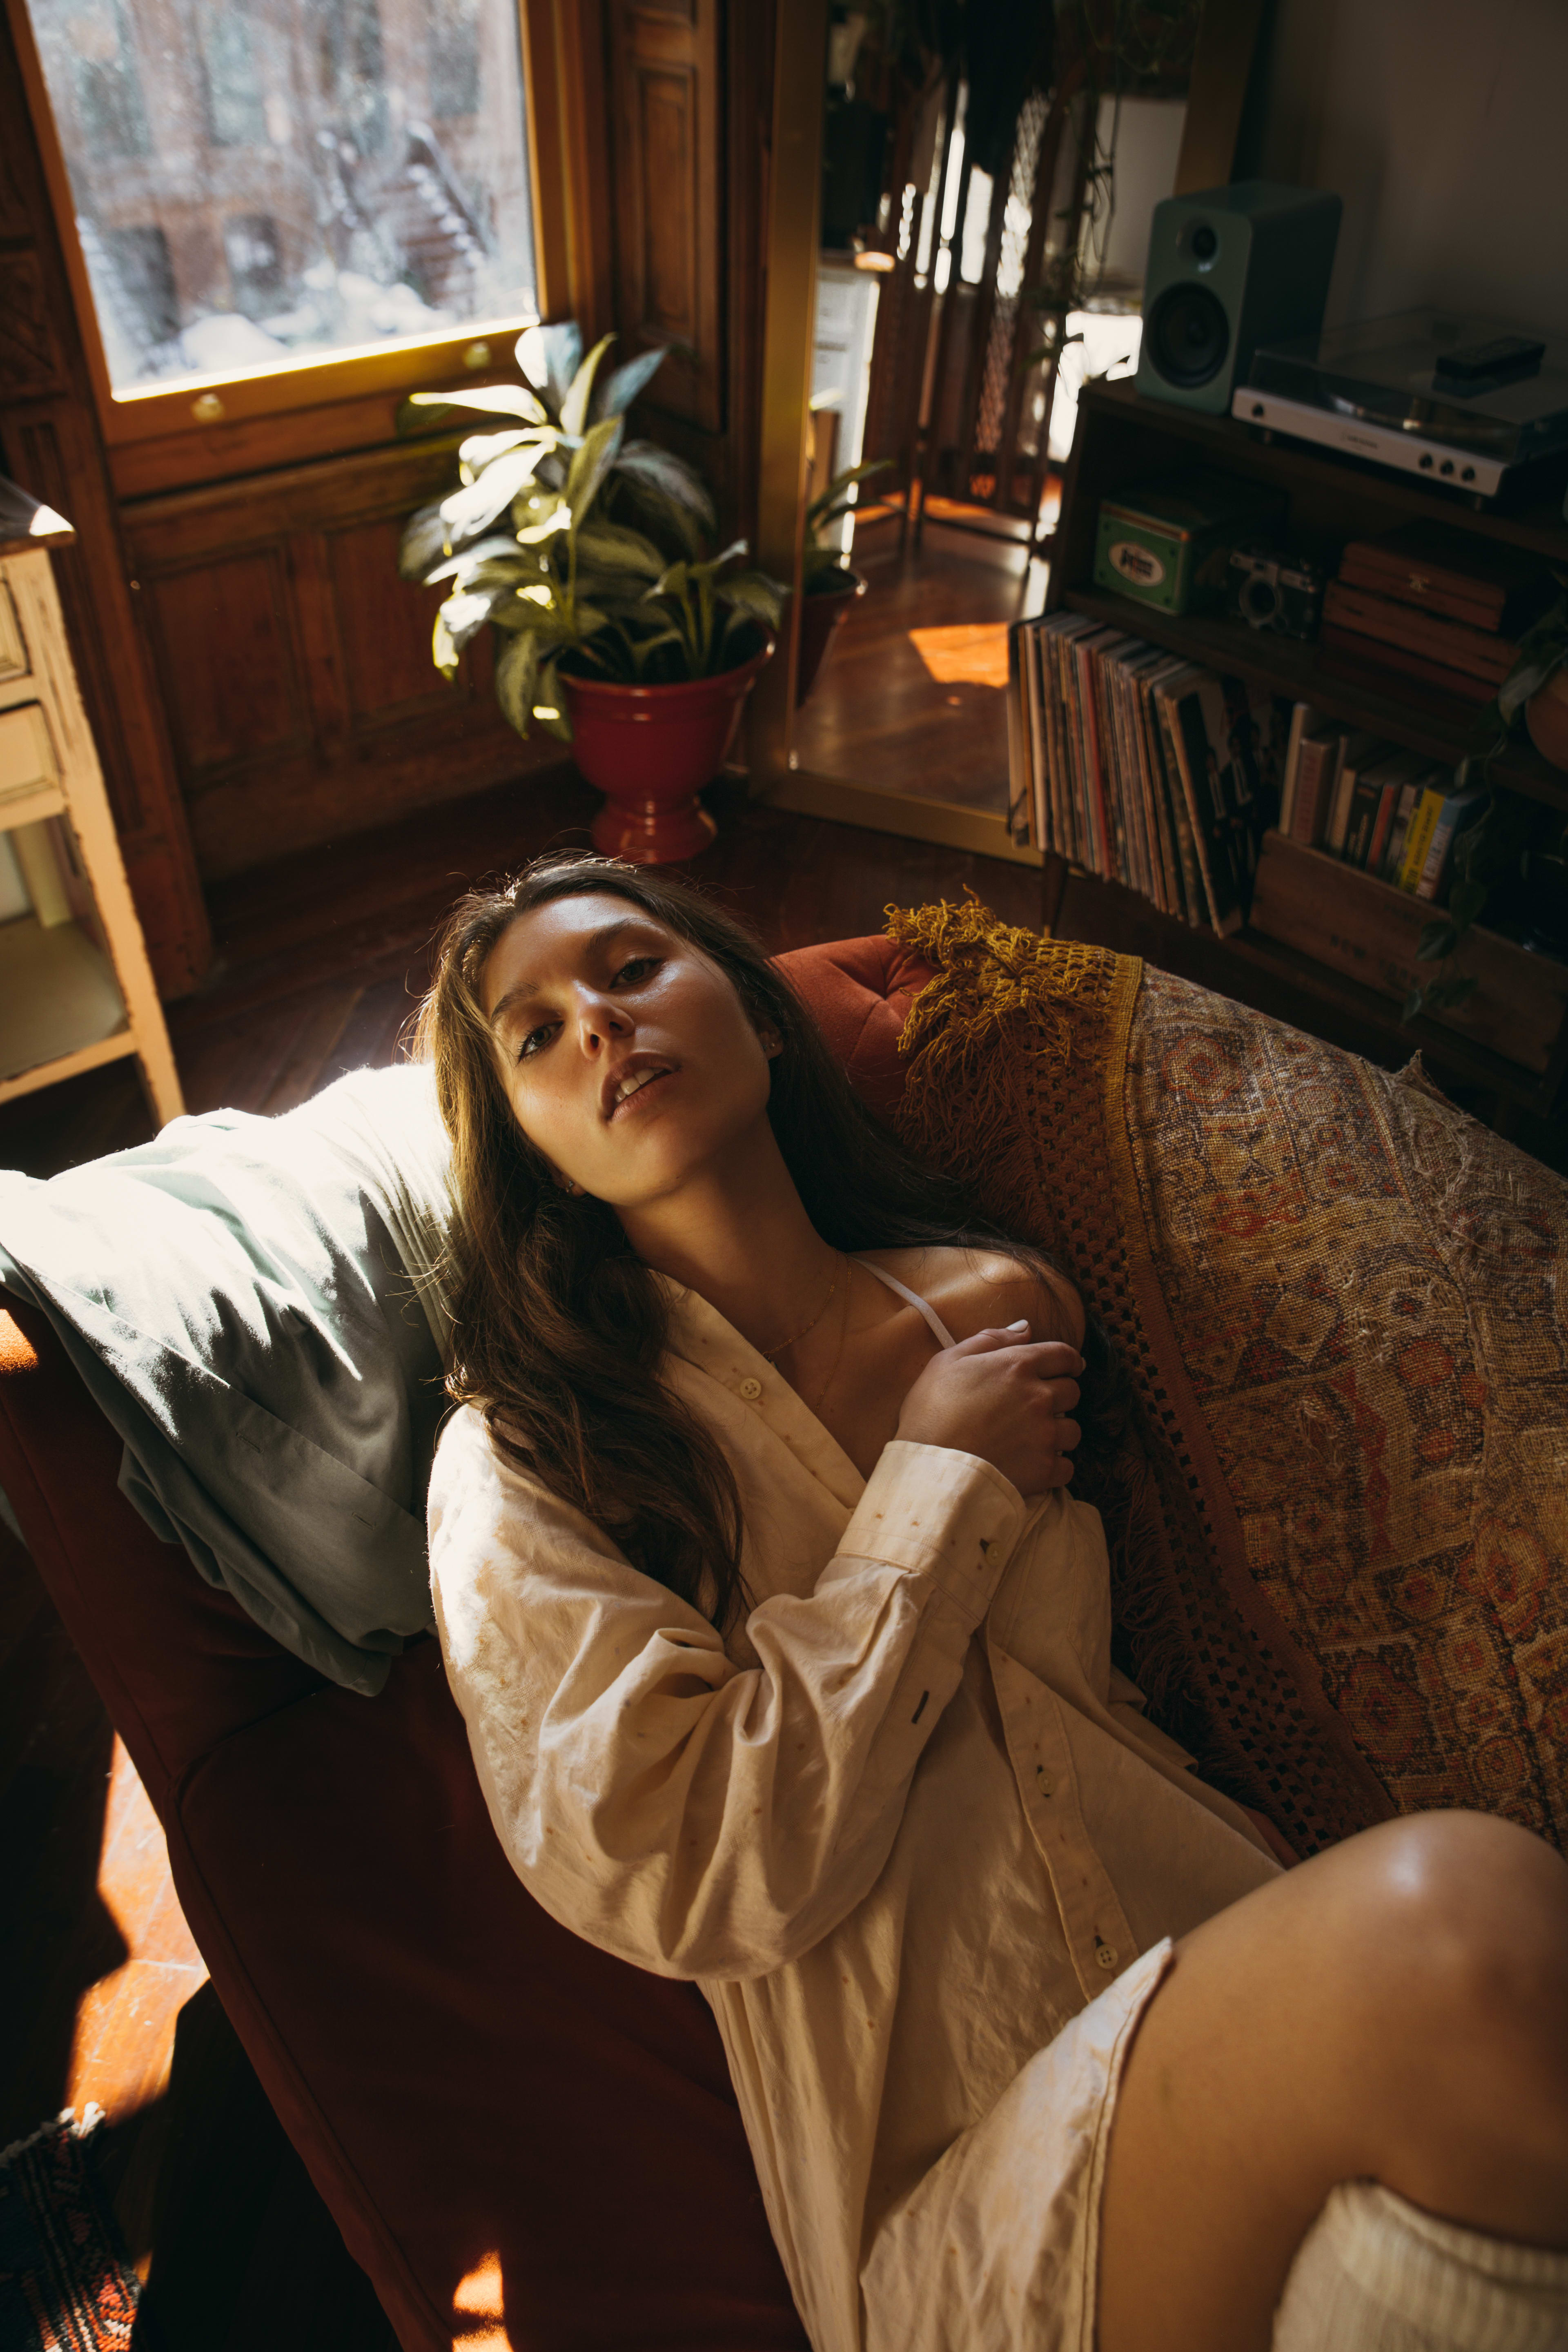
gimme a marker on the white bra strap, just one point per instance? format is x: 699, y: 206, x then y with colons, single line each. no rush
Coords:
x: 922, y: 1306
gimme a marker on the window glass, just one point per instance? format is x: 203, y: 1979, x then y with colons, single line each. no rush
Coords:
x: 256, y: 181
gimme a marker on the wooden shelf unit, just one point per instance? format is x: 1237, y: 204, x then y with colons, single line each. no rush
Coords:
x: 69, y: 1002
x: 1123, y: 440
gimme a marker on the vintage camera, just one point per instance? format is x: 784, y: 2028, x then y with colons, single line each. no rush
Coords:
x: 1269, y: 591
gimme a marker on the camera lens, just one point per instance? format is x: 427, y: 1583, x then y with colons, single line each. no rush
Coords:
x: 1259, y: 601
x: 1206, y: 245
x: 1189, y: 335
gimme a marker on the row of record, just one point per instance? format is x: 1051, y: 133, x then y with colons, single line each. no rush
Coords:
x: 1141, y: 767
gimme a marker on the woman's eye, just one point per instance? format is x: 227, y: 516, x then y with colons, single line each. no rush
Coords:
x: 638, y: 969
x: 536, y: 1041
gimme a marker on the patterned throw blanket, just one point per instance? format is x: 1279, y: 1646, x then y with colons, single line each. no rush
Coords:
x: 1338, y: 1517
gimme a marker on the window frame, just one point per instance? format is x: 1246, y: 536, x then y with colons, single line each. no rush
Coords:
x: 310, y: 406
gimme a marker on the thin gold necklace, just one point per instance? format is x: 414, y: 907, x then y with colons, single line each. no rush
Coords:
x: 814, y: 1405
x: 768, y: 1354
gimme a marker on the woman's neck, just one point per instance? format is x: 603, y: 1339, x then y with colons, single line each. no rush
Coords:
x: 738, y: 1235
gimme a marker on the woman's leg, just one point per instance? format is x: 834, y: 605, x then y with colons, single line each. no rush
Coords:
x: 1396, y: 2008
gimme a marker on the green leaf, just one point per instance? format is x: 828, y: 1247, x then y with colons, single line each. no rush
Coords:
x: 1413, y: 1003
x: 590, y: 465
x: 463, y: 566
x: 672, y: 583
x: 754, y: 592
x: 645, y: 647
x: 482, y: 449
x: 575, y: 407
x: 489, y: 399
x: 443, y: 652
x: 540, y: 518
x: 550, y: 705
x: 1437, y: 941
x: 834, y: 499
x: 424, y: 542
x: 473, y: 508
x: 517, y: 669
x: 1466, y: 900
x: 626, y: 383
x: 1525, y: 678
x: 550, y: 358
x: 616, y: 549
x: 662, y: 470
x: 1461, y: 989
x: 467, y: 612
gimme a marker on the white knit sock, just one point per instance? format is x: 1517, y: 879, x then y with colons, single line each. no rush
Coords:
x: 1377, y: 2274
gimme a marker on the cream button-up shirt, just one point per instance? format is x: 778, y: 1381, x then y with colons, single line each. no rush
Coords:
x: 901, y: 1826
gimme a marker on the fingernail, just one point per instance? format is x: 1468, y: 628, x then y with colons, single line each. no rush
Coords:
x: 1021, y: 1325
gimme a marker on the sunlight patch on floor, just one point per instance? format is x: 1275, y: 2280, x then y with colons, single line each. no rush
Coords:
x: 970, y: 653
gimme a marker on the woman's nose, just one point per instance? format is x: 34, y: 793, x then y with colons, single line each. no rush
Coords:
x: 599, y: 1019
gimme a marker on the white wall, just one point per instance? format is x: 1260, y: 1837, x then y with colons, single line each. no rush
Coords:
x: 1444, y: 125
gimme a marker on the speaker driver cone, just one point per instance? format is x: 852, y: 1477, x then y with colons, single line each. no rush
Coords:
x: 1189, y: 335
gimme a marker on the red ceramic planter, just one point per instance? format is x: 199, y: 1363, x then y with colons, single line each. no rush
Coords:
x: 820, y: 615
x: 650, y: 749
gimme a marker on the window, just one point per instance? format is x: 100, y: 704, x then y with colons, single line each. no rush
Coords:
x: 263, y: 185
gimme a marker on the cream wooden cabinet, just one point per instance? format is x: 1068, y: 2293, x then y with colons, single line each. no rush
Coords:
x: 76, y: 987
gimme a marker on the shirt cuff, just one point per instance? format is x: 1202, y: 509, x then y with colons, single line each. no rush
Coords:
x: 940, y: 1513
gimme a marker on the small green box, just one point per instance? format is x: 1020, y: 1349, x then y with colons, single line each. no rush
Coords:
x: 1168, y: 543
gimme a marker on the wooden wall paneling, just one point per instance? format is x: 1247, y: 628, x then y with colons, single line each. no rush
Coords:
x: 295, y: 663
x: 727, y: 454
x: 564, y: 63
x: 51, y: 443
x: 667, y: 104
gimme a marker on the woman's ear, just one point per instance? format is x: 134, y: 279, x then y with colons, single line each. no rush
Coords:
x: 771, y: 1041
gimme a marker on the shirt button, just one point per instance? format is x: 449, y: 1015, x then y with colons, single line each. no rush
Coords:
x: 1043, y: 1783
x: 1105, y: 1958
x: 751, y: 1390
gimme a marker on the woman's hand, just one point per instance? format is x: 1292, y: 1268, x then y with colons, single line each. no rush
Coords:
x: 1005, y: 1398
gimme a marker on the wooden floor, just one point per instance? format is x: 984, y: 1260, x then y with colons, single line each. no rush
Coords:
x: 913, y: 695
x: 103, y: 1995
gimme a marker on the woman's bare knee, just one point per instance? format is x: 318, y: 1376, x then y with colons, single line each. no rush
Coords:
x: 1397, y: 2008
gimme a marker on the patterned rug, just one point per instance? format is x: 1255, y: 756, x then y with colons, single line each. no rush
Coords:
x: 65, y: 2285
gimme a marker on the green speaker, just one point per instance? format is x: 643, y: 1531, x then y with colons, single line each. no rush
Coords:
x: 1228, y: 270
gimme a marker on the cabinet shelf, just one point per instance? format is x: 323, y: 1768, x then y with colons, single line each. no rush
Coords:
x: 1123, y: 440
x: 58, y: 1005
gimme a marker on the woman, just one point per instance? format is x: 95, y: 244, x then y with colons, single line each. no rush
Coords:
x: 783, y: 1652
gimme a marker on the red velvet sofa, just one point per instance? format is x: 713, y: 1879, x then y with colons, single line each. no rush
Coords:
x: 524, y: 2142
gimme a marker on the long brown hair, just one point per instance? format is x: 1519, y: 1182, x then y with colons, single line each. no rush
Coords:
x: 559, y: 1329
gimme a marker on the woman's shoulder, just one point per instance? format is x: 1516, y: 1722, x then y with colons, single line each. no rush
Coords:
x: 982, y: 1289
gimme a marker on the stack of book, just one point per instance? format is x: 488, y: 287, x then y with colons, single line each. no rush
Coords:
x: 1386, y: 811
x: 1143, y: 767
x: 1435, y: 605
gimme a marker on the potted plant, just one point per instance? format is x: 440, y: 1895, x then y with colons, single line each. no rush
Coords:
x: 829, y: 585
x: 585, y: 552
x: 1500, y: 854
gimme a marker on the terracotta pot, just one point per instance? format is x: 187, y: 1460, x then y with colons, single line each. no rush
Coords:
x: 650, y: 749
x: 1546, y: 715
x: 820, y: 615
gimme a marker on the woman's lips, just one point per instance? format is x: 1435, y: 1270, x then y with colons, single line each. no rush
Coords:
x: 648, y: 1087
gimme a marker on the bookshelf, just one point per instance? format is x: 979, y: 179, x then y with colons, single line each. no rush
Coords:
x: 1123, y: 440
x: 76, y: 987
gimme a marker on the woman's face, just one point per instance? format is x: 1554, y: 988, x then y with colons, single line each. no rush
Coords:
x: 625, y: 1053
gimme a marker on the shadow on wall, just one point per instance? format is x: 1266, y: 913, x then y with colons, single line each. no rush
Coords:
x: 1440, y: 123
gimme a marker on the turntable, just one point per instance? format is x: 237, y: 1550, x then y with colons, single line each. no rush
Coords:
x: 1451, y: 398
